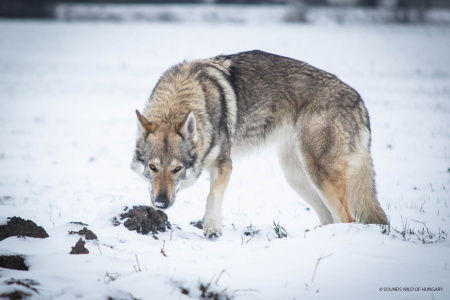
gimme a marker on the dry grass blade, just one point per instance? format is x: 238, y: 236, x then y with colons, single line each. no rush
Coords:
x: 317, y: 264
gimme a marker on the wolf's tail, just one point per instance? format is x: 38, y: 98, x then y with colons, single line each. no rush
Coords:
x: 362, y: 195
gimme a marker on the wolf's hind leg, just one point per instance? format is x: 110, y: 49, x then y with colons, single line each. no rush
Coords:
x: 299, y: 181
x: 325, y: 144
x: 220, y: 175
x: 331, y: 182
x: 334, y: 192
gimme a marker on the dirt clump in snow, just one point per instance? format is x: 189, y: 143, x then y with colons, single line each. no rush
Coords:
x: 23, y: 287
x: 197, y: 224
x: 15, y: 262
x: 88, y: 234
x: 16, y: 295
x: 144, y: 219
x: 17, y: 226
x: 79, y: 248
x: 79, y: 223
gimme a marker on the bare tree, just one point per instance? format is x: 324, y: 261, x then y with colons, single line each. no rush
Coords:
x: 297, y: 11
x: 411, y: 11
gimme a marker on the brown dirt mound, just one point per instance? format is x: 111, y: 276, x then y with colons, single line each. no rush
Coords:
x: 16, y: 295
x: 145, y: 219
x: 79, y: 248
x: 15, y: 262
x: 28, y: 284
x: 88, y: 234
x: 19, y: 227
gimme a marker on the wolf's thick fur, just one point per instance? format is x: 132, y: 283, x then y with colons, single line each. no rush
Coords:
x: 204, y: 111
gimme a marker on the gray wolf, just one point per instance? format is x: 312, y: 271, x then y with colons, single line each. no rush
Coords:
x: 203, y: 112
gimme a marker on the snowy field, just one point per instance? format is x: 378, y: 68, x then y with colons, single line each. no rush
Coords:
x: 68, y: 91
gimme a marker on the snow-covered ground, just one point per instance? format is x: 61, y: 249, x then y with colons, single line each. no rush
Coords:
x: 68, y: 92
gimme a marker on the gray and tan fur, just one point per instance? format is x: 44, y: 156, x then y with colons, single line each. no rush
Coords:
x: 203, y: 112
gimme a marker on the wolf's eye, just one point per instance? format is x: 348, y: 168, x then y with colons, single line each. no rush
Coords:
x: 177, y: 169
x: 152, y: 167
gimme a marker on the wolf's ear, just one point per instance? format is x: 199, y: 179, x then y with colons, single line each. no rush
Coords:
x: 188, y: 127
x: 146, y: 126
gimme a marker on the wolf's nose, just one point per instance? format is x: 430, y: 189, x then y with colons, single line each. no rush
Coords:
x: 162, y: 201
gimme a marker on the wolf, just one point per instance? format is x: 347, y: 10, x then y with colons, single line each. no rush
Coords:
x: 202, y: 113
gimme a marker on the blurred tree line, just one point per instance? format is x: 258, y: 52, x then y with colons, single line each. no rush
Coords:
x: 405, y: 10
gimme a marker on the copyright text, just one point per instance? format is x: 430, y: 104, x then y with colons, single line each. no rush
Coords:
x: 411, y: 289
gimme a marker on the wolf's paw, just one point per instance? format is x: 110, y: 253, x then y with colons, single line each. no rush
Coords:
x: 212, y: 228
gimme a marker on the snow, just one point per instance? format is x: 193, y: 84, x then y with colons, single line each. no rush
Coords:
x: 68, y: 91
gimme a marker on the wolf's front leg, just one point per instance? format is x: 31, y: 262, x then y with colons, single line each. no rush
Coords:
x: 220, y: 175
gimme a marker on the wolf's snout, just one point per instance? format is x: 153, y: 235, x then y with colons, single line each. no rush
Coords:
x: 162, y: 201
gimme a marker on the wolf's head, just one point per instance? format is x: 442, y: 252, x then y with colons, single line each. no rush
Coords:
x: 166, y: 156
